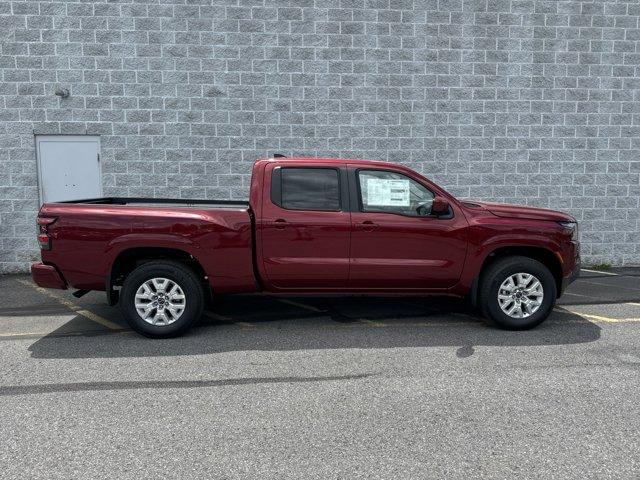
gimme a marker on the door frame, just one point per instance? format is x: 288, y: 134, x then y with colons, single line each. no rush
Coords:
x: 59, y: 138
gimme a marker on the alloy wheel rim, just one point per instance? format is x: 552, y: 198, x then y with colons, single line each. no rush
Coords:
x: 520, y: 295
x: 160, y: 301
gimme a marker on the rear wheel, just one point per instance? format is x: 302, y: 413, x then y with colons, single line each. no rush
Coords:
x: 161, y: 299
x: 517, y: 293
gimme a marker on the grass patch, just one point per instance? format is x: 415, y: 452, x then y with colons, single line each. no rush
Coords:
x: 601, y: 266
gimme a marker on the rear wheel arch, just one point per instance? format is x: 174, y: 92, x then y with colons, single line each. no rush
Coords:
x: 129, y: 259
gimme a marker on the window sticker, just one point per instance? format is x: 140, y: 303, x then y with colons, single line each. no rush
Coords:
x: 382, y: 192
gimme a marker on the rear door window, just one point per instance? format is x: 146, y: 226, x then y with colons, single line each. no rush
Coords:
x: 306, y: 188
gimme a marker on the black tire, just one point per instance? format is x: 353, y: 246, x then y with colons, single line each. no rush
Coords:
x: 493, y: 278
x: 176, y: 272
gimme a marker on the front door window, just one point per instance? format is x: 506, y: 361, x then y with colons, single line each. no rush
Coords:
x: 391, y: 192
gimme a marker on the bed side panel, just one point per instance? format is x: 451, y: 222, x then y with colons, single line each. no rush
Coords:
x: 86, y: 239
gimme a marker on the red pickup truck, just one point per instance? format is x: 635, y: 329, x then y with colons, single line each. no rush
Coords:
x: 311, y: 226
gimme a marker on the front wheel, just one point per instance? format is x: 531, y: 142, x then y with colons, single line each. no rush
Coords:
x: 517, y: 293
x: 161, y: 299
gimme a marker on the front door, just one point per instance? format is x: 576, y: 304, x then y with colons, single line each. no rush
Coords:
x: 305, y: 227
x: 396, y: 243
x: 69, y: 167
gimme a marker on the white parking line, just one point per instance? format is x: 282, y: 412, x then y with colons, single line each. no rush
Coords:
x: 578, y: 295
x: 599, y: 271
x: 612, y: 286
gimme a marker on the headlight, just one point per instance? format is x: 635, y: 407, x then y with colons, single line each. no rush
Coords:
x: 573, y: 226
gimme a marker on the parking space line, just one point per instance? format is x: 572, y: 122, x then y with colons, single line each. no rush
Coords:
x: 301, y: 305
x: 76, y: 308
x: 578, y: 295
x: 612, y: 286
x: 598, y: 318
x: 599, y: 271
x: 24, y: 334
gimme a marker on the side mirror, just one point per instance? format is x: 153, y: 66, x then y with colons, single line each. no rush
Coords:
x: 440, y: 206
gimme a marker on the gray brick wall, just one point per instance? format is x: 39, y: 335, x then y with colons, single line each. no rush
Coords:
x: 523, y: 101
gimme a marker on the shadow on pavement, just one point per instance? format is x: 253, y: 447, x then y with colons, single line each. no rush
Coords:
x: 269, y: 324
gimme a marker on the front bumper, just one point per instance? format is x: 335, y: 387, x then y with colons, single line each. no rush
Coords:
x: 47, y: 276
x: 572, y: 277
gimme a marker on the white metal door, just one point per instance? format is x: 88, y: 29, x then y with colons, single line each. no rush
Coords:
x: 69, y: 167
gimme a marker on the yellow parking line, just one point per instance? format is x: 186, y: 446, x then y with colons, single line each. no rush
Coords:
x: 633, y: 303
x: 24, y: 334
x: 72, y: 306
x: 598, y: 318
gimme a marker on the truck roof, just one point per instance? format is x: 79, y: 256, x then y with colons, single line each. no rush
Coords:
x: 328, y: 160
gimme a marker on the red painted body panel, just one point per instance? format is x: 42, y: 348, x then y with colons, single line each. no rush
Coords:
x: 243, y: 250
x: 86, y: 239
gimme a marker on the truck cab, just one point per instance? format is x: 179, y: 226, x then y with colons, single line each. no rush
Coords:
x: 356, y: 226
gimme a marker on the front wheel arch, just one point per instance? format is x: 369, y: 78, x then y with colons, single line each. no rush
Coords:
x: 541, y: 254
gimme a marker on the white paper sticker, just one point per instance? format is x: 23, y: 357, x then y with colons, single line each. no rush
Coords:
x: 383, y: 192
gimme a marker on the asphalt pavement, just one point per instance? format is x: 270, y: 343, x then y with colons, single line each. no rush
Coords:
x: 322, y: 388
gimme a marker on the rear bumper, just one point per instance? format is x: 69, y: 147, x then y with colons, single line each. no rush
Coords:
x: 47, y: 276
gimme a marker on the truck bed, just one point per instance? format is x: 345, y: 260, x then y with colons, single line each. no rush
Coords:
x: 178, y: 202
x: 89, y: 236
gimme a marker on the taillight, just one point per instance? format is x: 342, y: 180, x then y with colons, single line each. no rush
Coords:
x: 43, y: 232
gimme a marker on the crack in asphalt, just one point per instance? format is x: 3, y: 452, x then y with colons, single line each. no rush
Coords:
x: 13, y: 390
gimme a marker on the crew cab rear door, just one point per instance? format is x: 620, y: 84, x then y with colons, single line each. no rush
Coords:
x: 396, y: 243
x: 305, y: 226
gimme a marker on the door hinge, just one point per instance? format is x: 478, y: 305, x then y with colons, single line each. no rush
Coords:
x: 98, y: 157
